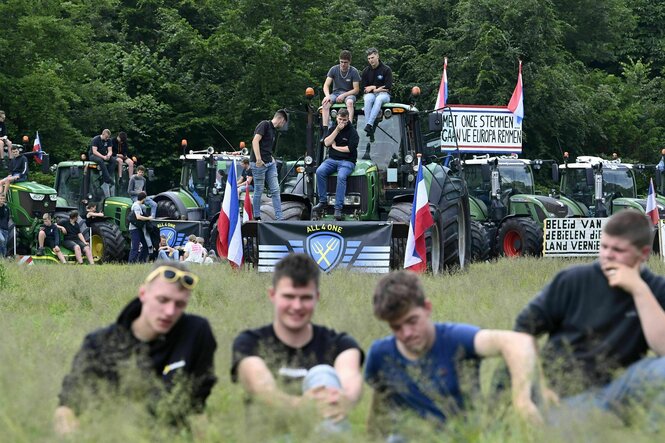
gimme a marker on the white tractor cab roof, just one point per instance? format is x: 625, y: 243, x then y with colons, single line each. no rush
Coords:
x: 588, y: 161
x: 503, y: 159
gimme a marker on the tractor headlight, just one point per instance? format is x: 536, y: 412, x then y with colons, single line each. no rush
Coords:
x: 387, y: 114
x: 333, y: 114
x: 37, y: 197
x: 214, y: 191
x: 309, y: 160
x: 415, y: 168
x: 410, y: 178
x: 53, y: 197
x: 408, y: 158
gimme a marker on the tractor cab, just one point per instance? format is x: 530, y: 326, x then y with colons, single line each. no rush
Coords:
x: 80, y: 182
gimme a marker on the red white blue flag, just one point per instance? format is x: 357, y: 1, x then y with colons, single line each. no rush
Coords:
x: 421, y: 219
x: 37, y: 147
x: 229, y: 238
x: 442, y: 97
x: 516, y: 104
x: 652, y: 207
x: 247, y: 213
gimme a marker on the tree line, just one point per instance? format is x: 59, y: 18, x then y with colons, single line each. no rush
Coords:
x: 164, y: 70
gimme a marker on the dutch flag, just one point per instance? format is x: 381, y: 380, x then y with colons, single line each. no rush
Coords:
x: 442, y: 97
x: 421, y: 219
x: 652, y: 207
x: 516, y: 104
x: 229, y: 238
x: 37, y: 147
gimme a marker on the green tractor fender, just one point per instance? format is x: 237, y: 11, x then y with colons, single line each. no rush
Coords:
x: 175, y: 204
x: 478, y: 209
x: 117, y: 209
x: 577, y: 208
x: 621, y: 203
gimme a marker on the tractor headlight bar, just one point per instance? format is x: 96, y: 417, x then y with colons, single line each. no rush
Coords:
x: 53, y: 197
x: 37, y: 197
x: 408, y: 158
x: 349, y: 200
x: 309, y: 160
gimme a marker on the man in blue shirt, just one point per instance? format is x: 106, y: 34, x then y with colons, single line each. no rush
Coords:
x: 418, y: 368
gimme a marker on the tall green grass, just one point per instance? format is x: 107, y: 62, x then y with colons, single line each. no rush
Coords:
x: 45, y: 311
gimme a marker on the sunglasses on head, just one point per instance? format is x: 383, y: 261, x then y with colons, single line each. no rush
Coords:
x: 172, y: 275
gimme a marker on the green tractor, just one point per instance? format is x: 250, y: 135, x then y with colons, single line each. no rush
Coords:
x: 382, y: 184
x: 504, y: 202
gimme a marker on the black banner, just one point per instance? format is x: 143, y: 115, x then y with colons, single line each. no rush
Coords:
x: 361, y: 246
x: 177, y: 231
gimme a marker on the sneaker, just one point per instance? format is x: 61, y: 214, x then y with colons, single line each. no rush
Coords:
x: 40, y: 252
x: 369, y: 130
x: 257, y: 219
x: 338, y: 214
x: 320, y: 206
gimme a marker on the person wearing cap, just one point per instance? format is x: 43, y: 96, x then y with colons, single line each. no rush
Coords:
x: 263, y: 164
x: 377, y: 80
x: 293, y: 363
x: 169, y: 350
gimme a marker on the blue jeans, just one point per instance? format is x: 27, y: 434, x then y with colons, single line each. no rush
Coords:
x: 344, y: 168
x: 373, y: 104
x: 325, y: 375
x: 268, y: 173
x: 138, y: 238
x: 103, y: 166
x: 163, y: 255
x: 150, y: 203
x: 4, y: 236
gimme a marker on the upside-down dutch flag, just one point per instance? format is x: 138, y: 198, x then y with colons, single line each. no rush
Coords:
x: 421, y: 219
x: 247, y: 212
x: 229, y: 238
x: 516, y: 104
x: 652, y: 207
x: 37, y: 147
x: 442, y: 96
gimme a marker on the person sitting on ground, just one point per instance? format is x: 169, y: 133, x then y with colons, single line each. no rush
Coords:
x: 377, y: 80
x: 418, y: 370
x: 18, y: 170
x: 101, y: 152
x: 245, y: 180
x: 603, y: 318
x: 121, y: 154
x: 170, y: 351
x: 193, y: 251
x: 345, y: 82
x: 74, y: 239
x: 4, y: 140
x: 166, y: 252
x: 91, y: 211
x: 4, y: 225
x: 343, y: 143
x: 206, y: 260
x: 49, y: 235
x: 292, y: 361
x: 137, y: 184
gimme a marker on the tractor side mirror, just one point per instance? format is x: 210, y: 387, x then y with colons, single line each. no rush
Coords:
x: 486, y: 173
x: 435, y: 121
x: 46, y: 163
x: 200, y: 169
x: 555, y: 173
x: 590, y: 181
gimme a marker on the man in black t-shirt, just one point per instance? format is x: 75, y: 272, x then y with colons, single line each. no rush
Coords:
x: 604, y: 317
x: 18, y: 170
x: 343, y: 143
x: 49, y: 235
x: 263, y: 164
x: 101, y: 152
x: 121, y: 153
x: 376, y: 82
x: 245, y: 180
x: 291, y: 360
x: 4, y: 225
x: 74, y: 239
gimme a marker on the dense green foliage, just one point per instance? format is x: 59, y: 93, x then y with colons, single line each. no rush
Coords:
x: 164, y: 70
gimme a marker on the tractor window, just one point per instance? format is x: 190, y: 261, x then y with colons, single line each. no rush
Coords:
x: 474, y: 179
x: 619, y: 182
x: 576, y: 187
x: 387, y: 140
x: 517, y: 178
x: 96, y: 181
x: 69, y: 186
x: 194, y: 184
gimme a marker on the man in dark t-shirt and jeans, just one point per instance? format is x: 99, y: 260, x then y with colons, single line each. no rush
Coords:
x: 101, y: 152
x: 343, y: 143
x: 263, y: 164
x: 285, y: 363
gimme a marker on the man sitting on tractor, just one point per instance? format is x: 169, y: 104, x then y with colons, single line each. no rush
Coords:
x: 343, y: 142
x: 49, y: 235
x: 18, y: 170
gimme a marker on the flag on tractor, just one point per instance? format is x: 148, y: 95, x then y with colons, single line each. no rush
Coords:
x: 652, y: 207
x: 516, y: 104
x: 421, y: 219
x: 229, y: 238
x: 37, y: 147
x: 247, y: 213
x: 442, y: 97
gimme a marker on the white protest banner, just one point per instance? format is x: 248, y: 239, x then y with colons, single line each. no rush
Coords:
x: 480, y: 129
x: 572, y: 237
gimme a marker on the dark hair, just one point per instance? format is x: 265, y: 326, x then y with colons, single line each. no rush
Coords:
x: 140, y: 168
x: 282, y: 113
x: 631, y: 225
x: 343, y: 112
x: 244, y: 161
x: 300, y: 268
x: 345, y: 55
x: 74, y: 214
x: 91, y: 205
x: 371, y: 51
x: 396, y: 294
x: 141, y: 196
x: 123, y: 137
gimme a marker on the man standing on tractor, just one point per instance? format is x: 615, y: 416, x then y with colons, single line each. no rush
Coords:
x: 263, y: 164
x: 101, y: 152
x: 343, y: 142
x: 18, y: 170
x: 377, y: 79
x: 345, y: 81
x: 604, y: 317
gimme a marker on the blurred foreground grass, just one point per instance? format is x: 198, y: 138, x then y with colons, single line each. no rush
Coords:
x: 45, y: 311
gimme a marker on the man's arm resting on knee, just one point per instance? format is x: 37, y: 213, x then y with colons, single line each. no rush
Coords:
x: 518, y: 351
x: 64, y: 420
x: 257, y: 380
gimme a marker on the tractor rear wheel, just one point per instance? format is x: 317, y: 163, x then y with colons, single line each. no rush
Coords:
x: 108, y: 244
x: 168, y: 209
x: 456, y: 221
x: 519, y: 236
x: 291, y: 210
x: 480, y: 242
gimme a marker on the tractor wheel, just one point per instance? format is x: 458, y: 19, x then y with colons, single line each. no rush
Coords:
x: 480, y: 242
x: 456, y: 222
x: 168, y: 209
x: 520, y: 236
x: 290, y: 211
x: 108, y: 244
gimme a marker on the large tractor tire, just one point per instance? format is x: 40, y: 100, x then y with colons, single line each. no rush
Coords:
x: 456, y: 222
x: 291, y: 210
x: 480, y: 242
x: 520, y: 236
x: 108, y: 244
x: 168, y: 209
x: 401, y: 212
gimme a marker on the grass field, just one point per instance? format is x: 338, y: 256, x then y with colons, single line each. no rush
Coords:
x: 45, y: 311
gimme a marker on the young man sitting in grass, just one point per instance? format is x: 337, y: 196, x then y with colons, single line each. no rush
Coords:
x: 291, y: 361
x: 417, y: 371
x: 154, y: 352
x: 602, y: 318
